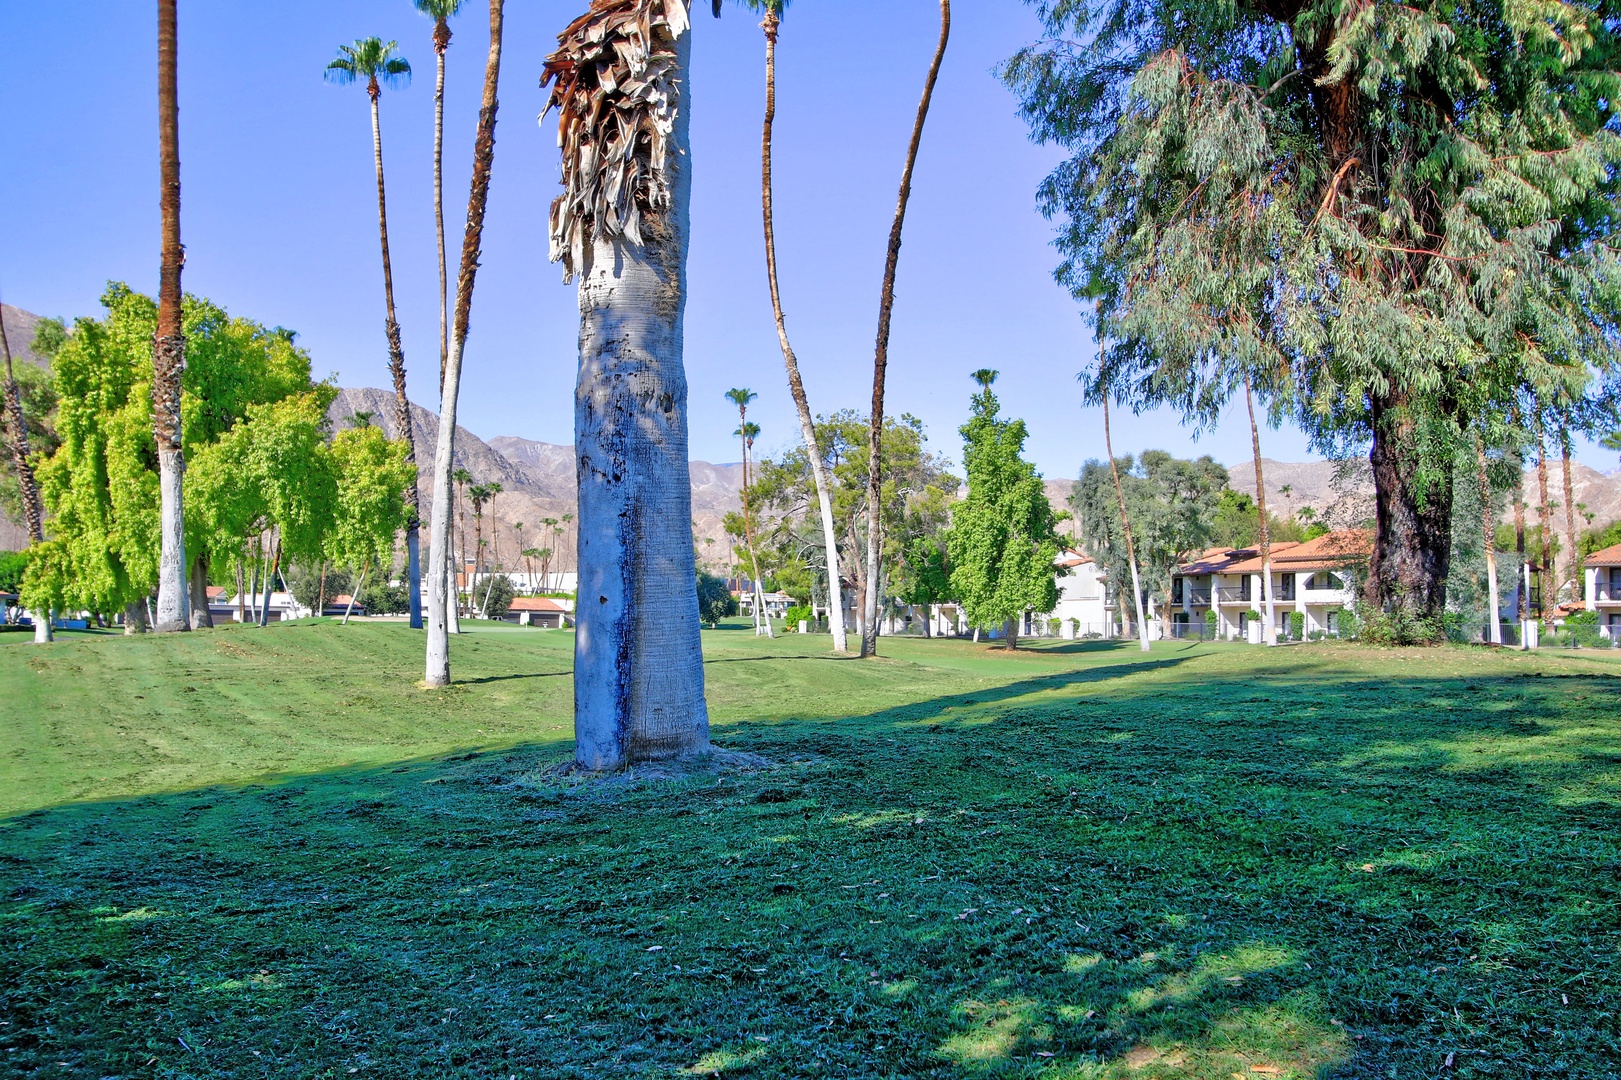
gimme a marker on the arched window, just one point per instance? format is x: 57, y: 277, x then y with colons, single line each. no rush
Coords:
x: 1325, y: 580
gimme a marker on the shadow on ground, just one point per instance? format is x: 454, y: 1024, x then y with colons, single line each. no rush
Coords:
x: 1099, y: 873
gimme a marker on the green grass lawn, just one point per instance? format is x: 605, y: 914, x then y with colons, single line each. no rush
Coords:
x: 266, y: 853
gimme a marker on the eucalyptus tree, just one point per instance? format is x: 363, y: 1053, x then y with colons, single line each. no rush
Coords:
x: 880, y: 361
x: 28, y: 486
x: 1403, y: 209
x: 773, y: 10
x: 169, y: 342
x: 442, y: 579
x: 375, y: 63
x: 1125, y: 526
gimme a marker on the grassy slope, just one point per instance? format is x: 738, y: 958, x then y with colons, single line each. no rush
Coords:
x: 1080, y: 862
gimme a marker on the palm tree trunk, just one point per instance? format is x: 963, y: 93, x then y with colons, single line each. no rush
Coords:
x: 880, y: 361
x: 1125, y: 525
x: 442, y: 584
x: 1267, y: 592
x: 201, y: 617
x: 169, y: 344
x: 761, y: 619
x: 1573, y: 564
x: 638, y: 662
x: 33, y: 507
x: 396, y: 367
x: 356, y: 592
x: 796, y: 385
x: 1545, y: 516
x: 1494, y: 629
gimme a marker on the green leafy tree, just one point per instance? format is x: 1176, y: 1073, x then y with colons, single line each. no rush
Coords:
x: 1173, y: 504
x: 1003, y: 539
x: 1396, y: 218
x: 715, y: 599
x: 372, y: 474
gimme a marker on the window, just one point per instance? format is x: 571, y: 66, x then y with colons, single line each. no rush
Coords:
x: 1325, y: 580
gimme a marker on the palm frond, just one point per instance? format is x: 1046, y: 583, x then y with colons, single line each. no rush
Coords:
x: 439, y: 9
x: 614, y: 83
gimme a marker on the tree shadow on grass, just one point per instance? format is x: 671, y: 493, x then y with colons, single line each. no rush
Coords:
x: 1267, y: 878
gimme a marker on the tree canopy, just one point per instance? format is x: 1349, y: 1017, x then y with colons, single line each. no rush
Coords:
x: 1394, y: 218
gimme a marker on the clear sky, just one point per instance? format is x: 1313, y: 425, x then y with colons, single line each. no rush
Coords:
x: 280, y: 209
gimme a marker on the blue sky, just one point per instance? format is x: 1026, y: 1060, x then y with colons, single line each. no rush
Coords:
x: 280, y: 209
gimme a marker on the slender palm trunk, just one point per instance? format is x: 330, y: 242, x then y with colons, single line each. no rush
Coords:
x: 1573, y: 563
x: 1522, y: 574
x: 356, y: 592
x: 404, y: 429
x: 442, y: 584
x: 1125, y: 525
x: 1545, y: 516
x: 760, y: 616
x: 1267, y: 592
x: 796, y: 385
x: 169, y: 344
x: 880, y: 361
x: 441, y: 45
x: 1494, y: 629
x: 33, y: 507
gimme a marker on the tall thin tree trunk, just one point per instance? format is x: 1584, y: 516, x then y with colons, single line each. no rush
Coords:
x: 760, y: 616
x: 356, y: 592
x: 270, y: 578
x: 33, y: 506
x: 1267, y: 592
x: 241, y: 596
x: 1125, y: 525
x: 1545, y: 516
x: 880, y: 361
x: 201, y: 617
x: 1573, y: 561
x: 796, y: 385
x: 169, y: 343
x: 404, y: 429
x: 442, y: 584
x: 638, y: 661
x: 1522, y: 582
x: 1494, y: 632
x: 441, y: 45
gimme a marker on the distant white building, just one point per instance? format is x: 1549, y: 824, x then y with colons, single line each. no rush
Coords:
x: 1602, y: 589
x: 1315, y: 580
x: 1084, y: 607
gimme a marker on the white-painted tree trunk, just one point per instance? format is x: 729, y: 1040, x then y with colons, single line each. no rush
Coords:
x: 174, y: 607
x: 1494, y: 628
x: 44, y: 633
x: 201, y: 617
x: 638, y: 663
x: 355, y: 593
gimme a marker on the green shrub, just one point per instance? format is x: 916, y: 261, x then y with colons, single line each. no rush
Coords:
x: 715, y: 600
x: 1297, y: 626
x: 1582, y: 631
x: 1400, y: 627
x: 380, y: 598
x: 797, y: 614
x: 1211, y: 622
x: 496, y: 595
x: 12, y: 565
x: 1348, y: 626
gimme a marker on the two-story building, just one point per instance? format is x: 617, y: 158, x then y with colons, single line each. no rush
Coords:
x: 1315, y: 579
x: 1085, y: 608
x: 1602, y: 589
x: 1208, y: 584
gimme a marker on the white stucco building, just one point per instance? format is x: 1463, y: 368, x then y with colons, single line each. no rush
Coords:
x: 1601, y: 573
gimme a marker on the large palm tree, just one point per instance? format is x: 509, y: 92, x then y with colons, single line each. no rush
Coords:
x: 442, y: 581
x: 880, y: 359
x: 619, y: 82
x: 375, y: 62
x: 169, y: 343
x: 441, y: 12
x: 33, y: 507
x: 746, y: 433
x: 773, y: 10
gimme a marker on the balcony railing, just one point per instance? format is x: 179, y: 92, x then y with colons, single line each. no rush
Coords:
x: 1608, y: 592
x: 1233, y: 596
x: 1194, y: 596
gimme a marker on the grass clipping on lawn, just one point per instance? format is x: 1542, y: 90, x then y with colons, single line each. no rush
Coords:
x: 263, y: 853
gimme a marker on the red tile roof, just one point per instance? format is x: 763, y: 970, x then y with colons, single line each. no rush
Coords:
x: 1327, y: 552
x: 1610, y: 556
x: 1071, y: 558
x: 536, y: 603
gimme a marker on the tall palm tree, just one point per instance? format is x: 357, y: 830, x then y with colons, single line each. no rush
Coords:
x: 529, y: 555
x: 517, y: 529
x: 1125, y: 526
x: 1267, y: 592
x: 478, y: 495
x: 551, y: 543
x: 619, y: 82
x: 33, y: 507
x: 441, y: 12
x: 567, y: 546
x: 374, y: 61
x: 773, y: 11
x: 880, y: 359
x: 437, y: 661
x: 169, y: 343
x: 462, y: 478
x: 747, y: 432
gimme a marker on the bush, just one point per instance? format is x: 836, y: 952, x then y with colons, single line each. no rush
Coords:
x: 1346, y: 621
x: 715, y: 600
x: 1297, y: 626
x: 496, y: 595
x: 1400, y: 627
x: 1211, y: 622
x: 1582, y: 631
x: 380, y: 598
x: 797, y: 614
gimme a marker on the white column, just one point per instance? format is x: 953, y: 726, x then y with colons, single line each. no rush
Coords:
x: 1592, y: 588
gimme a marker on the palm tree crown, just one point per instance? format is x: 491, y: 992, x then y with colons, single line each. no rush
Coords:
x: 985, y: 376
x: 371, y: 59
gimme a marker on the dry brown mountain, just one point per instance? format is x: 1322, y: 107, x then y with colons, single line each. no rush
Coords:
x: 20, y: 326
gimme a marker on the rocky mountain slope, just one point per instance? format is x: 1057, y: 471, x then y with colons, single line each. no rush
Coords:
x: 19, y: 325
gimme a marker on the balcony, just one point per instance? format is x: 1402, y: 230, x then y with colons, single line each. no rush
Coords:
x: 1192, y: 597
x: 1239, y: 595
x: 1607, y: 592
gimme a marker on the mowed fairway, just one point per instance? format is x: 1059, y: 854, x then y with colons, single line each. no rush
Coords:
x: 266, y: 853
